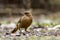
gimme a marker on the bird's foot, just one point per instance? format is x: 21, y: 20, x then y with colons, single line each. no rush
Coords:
x: 27, y: 31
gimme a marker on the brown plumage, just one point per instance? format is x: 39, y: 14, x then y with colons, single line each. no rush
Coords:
x: 24, y: 22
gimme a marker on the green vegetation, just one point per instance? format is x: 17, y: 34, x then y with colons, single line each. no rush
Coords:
x: 46, y: 24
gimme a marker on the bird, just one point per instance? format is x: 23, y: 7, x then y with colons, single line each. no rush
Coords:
x: 24, y: 22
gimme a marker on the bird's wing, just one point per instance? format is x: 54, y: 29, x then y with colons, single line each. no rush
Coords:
x: 19, y: 21
x: 22, y: 19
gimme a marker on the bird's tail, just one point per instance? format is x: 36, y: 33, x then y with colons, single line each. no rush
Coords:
x: 15, y: 29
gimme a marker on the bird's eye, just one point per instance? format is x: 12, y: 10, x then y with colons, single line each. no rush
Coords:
x: 26, y: 13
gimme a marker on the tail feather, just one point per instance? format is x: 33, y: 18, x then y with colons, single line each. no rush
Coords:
x: 15, y: 29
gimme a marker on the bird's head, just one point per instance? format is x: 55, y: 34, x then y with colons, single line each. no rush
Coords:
x: 27, y: 13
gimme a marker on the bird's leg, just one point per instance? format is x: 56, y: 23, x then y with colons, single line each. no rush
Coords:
x: 20, y: 30
x: 25, y: 29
